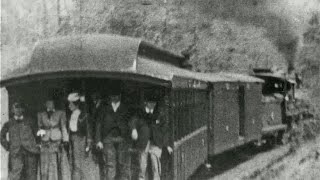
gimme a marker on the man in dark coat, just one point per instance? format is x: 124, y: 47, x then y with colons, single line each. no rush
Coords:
x: 140, y: 134
x: 112, y: 135
x: 21, y: 145
x: 150, y: 135
x: 155, y: 116
x: 97, y: 109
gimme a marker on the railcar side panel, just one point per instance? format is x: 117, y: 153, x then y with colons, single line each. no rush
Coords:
x: 271, y: 113
x: 271, y: 117
x: 190, y: 113
x: 224, y: 134
x: 189, y: 153
x: 253, y: 111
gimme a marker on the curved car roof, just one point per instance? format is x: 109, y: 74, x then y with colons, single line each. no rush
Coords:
x: 276, y: 76
x: 71, y: 54
x: 106, y: 56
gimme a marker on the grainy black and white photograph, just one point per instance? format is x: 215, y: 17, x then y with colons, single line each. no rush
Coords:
x: 160, y: 90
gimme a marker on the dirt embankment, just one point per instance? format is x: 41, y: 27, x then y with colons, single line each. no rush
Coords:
x: 303, y: 164
x: 296, y: 160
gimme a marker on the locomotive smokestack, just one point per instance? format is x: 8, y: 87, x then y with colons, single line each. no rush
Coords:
x: 290, y: 51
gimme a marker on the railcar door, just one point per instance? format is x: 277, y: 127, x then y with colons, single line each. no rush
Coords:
x: 224, y: 126
x: 253, y: 111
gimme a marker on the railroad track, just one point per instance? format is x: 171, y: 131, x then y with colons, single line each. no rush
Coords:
x: 249, y: 161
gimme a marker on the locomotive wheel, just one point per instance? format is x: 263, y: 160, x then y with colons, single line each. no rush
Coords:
x: 270, y: 141
x: 279, y: 137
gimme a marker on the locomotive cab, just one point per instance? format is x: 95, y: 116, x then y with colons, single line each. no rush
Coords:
x: 278, y: 95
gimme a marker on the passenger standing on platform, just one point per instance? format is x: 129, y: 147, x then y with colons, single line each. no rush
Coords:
x: 83, y: 166
x: 21, y: 145
x: 154, y: 137
x: 140, y: 135
x: 54, y: 163
x: 97, y: 109
x: 158, y: 134
x: 112, y: 136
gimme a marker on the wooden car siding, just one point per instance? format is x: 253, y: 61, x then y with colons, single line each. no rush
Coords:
x: 189, y: 153
x: 224, y: 133
x: 253, y: 111
x: 271, y: 114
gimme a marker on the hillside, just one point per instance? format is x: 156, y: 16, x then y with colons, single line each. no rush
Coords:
x: 177, y: 25
x: 220, y: 35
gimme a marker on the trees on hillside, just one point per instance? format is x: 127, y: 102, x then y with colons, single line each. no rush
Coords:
x: 214, y: 44
x: 309, y: 58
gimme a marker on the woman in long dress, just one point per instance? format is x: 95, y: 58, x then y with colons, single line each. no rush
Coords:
x: 83, y: 166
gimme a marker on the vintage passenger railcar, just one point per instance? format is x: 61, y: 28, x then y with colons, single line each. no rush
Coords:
x: 207, y: 113
x: 91, y: 62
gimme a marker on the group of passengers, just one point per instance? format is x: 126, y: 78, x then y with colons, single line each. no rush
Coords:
x: 98, y: 144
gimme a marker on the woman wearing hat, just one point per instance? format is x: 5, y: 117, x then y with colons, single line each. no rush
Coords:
x: 83, y: 166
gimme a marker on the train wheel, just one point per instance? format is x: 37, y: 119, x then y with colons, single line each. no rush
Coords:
x: 279, y: 137
x: 270, y: 141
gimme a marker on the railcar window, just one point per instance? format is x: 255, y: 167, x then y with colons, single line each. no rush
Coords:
x: 241, y: 111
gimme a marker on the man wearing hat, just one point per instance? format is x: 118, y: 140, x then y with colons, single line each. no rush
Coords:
x: 112, y: 136
x: 156, y: 119
x: 96, y: 110
x: 140, y: 134
x: 149, y: 134
x: 21, y: 145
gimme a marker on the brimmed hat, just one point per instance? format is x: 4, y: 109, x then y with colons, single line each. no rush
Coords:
x: 152, y: 97
x: 73, y: 97
x: 96, y: 94
x: 115, y: 88
x: 18, y: 105
x: 114, y: 92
